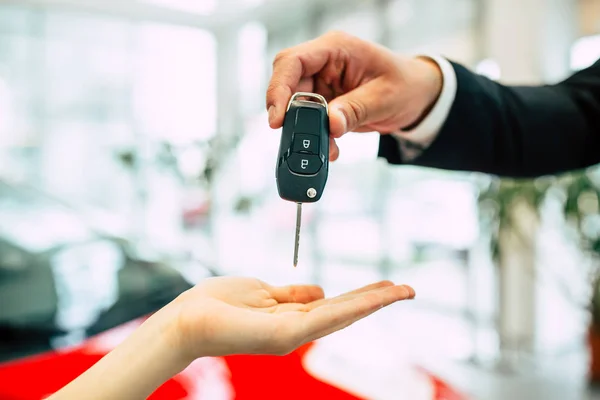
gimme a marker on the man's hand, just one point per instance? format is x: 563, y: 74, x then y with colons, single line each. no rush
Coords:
x: 226, y: 315
x: 368, y: 87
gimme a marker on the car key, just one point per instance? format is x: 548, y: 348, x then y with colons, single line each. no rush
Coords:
x: 303, y: 160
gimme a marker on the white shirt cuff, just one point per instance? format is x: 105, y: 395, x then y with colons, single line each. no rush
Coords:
x: 424, y: 134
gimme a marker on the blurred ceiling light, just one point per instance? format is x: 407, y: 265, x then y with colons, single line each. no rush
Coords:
x: 204, y: 7
x: 489, y: 68
x: 584, y: 52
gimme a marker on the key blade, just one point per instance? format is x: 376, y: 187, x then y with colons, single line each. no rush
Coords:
x: 297, y: 241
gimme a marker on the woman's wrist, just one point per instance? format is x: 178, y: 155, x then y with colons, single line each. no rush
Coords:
x: 135, y: 368
x: 158, y: 349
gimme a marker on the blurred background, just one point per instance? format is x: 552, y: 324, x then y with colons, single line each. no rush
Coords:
x: 136, y: 159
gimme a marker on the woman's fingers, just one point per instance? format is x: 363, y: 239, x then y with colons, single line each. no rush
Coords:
x: 305, y: 307
x: 348, y: 295
x: 376, y: 285
x: 409, y: 294
x: 329, y: 318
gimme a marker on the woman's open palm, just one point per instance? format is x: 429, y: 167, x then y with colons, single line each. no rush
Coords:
x: 227, y: 315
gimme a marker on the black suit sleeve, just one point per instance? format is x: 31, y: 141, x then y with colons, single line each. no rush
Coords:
x: 516, y: 131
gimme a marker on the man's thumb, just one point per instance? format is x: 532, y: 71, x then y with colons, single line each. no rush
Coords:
x: 353, y: 109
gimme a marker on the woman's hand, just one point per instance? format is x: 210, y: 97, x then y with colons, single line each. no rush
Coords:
x: 227, y: 315
x: 223, y: 316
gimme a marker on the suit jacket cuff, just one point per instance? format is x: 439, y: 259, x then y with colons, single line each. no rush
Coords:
x: 412, y: 143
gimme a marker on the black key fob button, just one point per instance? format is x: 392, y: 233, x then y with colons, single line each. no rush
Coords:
x: 304, y: 143
x: 304, y: 164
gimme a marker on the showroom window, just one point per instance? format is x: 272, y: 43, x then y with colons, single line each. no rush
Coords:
x: 175, y: 82
x: 84, y: 94
x: 252, y: 67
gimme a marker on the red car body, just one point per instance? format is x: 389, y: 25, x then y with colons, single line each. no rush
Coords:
x: 239, y: 377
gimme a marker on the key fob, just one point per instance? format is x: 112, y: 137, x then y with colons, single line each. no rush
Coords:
x: 303, y: 159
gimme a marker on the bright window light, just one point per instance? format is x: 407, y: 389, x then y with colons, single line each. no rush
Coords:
x: 356, y: 147
x: 252, y: 45
x: 489, y: 68
x: 175, y: 86
x: 585, y: 52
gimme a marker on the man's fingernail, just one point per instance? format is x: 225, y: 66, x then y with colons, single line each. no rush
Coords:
x: 271, y: 114
x: 342, y: 118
